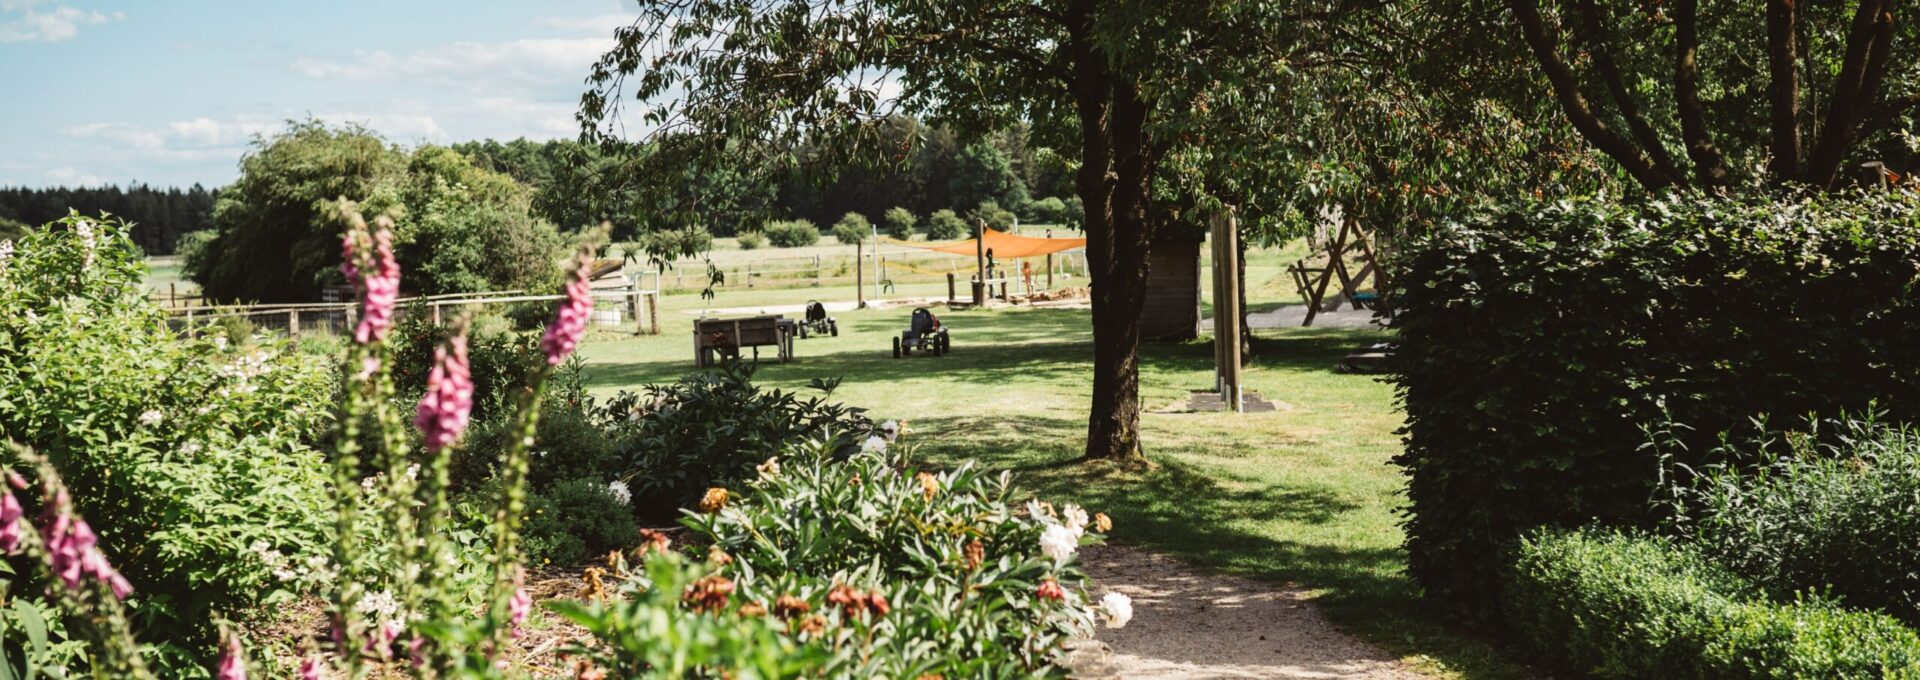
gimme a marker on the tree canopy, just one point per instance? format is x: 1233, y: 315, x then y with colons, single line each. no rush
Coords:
x: 277, y: 227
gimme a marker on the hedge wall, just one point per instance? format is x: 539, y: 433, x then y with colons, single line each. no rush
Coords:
x: 1537, y: 343
x: 1607, y: 605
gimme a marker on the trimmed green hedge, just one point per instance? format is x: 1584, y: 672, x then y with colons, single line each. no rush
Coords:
x: 1612, y: 605
x: 1536, y: 343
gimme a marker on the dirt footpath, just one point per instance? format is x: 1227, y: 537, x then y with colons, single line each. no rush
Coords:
x: 1189, y: 625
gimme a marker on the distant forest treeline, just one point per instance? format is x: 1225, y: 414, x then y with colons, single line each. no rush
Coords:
x: 937, y: 170
x: 160, y: 216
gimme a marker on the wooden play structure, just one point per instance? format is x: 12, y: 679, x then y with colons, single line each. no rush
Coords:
x: 994, y: 251
x: 1351, y: 259
x: 1172, y: 308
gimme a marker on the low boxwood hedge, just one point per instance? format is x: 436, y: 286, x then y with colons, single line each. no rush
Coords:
x: 1620, y: 605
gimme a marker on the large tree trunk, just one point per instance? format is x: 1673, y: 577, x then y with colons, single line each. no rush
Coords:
x: 1783, y: 56
x: 1112, y: 184
x: 1544, y: 42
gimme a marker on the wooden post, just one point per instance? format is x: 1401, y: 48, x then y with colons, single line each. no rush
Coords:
x: 859, y: 274
x: 633, y: 309
x: 293, y: 323
x: 980, y: 263
x: 653, y: 312
x: 950, y: 295
x: 435, y: 306
x: 1226, y: 308
x: 749, y: 267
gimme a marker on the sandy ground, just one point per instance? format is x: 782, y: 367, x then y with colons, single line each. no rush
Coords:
x: 1290, y: 316
x: 1190, y: 625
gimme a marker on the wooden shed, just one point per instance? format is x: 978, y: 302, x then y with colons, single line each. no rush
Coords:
x: 1172, y: 310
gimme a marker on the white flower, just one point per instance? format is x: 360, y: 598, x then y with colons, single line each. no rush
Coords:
x: 769, y: 469
x: 874, y: 445
x: 413, y: 472
x: 1076, y: 519
x: 220, y: 343
x: 1118, y: 609
x: 620, y: 492
x: 1039, y: 511
x: 190, y: 448
x: 890, y: 430
x: 379, y: 606
x: 1058, y: 542
x: 151, y: 417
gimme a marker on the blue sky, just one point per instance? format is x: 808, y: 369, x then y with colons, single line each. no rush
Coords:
x: 171, y: 92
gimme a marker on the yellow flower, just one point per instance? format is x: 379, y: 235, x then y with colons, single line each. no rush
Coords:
x: 715, y: 499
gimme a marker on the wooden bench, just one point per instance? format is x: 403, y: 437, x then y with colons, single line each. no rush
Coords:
x: 726, y: 337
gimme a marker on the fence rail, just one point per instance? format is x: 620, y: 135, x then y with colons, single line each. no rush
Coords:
x: 629, y: 310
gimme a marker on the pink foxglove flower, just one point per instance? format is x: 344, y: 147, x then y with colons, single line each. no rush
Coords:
x: 11, y: 523
x: 445, y: 407
x: 233, y: 663
x: 570, y: 320
x: 417, y: 651
x: 73, y: 551
x: 517, y: 610
x: 378, y: 283
x: 310, y: 668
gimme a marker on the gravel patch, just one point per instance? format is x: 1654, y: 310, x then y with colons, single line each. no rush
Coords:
x: 1189, y: 625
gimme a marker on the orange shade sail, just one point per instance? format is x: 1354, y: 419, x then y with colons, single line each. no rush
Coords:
x: 1004, y: 245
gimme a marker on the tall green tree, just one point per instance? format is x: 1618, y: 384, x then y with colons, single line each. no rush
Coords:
x: 741, y: 82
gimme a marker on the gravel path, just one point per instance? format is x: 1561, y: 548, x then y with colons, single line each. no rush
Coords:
x: 1189, y: 625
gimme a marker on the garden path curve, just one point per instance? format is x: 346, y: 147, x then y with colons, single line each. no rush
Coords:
x: 1191, y: 625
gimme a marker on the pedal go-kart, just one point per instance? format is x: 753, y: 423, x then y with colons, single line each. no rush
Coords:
x: 924, y: 334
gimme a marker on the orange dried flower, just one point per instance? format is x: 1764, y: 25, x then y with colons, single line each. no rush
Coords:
x: 592, y: 588
x: 653, y: 540
x: 788, y: 607
x: 814, y: 624
x: 718, y: 557
x: 1102, y: 522
x: 752, y: 610
x: 976, y: 554
x: 929, y: 484
x: 1051, y: 590
x: 585, y: 670
x: 714, y: 500
x: 708, y: 594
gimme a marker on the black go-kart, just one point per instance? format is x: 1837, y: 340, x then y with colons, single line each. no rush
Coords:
x: 925, y: 334
x: 817, y: 321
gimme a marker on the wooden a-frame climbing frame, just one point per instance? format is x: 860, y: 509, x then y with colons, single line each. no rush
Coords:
x: 1312, y: 282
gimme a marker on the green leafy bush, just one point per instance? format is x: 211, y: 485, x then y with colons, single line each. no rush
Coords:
x: 792, y: 234
x: 1048, y: 210
x: 1831, y: 509
x: 1538, y: 341
x: 751, y: 240
x: 965, y: 587
x: 712, y: 429
x: 995, y: 216
x: 944, y: 225
x: 899, y: 222
x: 190, y: 456
x: 1612, y: 605
x: 852, y: 228
x: 499, y: 360
x: 575, y: 520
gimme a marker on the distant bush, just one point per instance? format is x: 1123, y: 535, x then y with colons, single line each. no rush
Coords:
x: 852, y: 228
x: 751, y: 240
x: 498, y: 360
x: 995, y: 216
x: 943, y: 225
x: 1537, y: 342
x: 577, y: 520
x: 1047, y: 210
x: 1832, y: 509
x: 711, y: 429
x: 899, y: 222
x: 792, y: 234
x: 1600, y: 604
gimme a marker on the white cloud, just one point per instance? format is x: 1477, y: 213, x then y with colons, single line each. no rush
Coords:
x: 482, y: 66
x: 30, y: 20
x: 598, y: 25
x: 73, y: 178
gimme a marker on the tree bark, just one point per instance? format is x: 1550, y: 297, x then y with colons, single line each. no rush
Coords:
x: 1836, y: 136
x: 1783, y: 57
x: 1602, y: 50
x: 1708, y: 164
x: 1566, y: 88
x: 1112, y: 183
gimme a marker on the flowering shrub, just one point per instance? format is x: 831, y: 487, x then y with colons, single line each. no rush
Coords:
x: 857, y: 569
x: 189, y: 455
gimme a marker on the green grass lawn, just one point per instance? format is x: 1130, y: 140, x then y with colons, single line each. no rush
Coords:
x: 1305, y: 495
